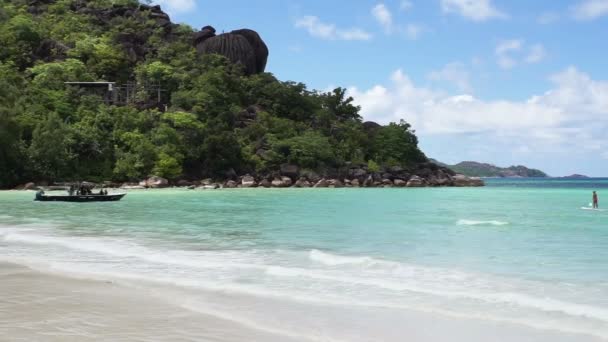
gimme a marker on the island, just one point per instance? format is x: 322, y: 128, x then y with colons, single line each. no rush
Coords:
x: 115, y: 93
x: 476, y: 169
x: 575, y: 176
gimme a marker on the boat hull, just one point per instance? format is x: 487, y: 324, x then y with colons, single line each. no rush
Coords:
x: 80, y: 198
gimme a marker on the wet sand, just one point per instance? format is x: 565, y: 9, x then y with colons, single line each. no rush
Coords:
x: 36, y: 306
x: 40, y: 306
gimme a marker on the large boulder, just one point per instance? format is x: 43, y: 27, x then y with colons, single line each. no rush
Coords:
x: 265, y: 183
x: 155, y: 182
x: 212, y: 186
x: 277, y: 183
x: 132, y: 186
x: 248, y: 182
x: 30, y: 186
x: 322, y: 183
x: 302, y: 183
x: 287, y: 182
x: 259, y: 47
x: 369, y: 126
x: 243, y: 47
x: 335, y: 183
x: 415, y: 182
x: 462, y: 180
x: 386, y: 182
x: 230, y: 184
x: 400, y: 183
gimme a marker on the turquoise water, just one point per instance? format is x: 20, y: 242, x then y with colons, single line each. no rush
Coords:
x: 519, y: 252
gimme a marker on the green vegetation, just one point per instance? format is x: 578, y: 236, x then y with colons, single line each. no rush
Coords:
x: 217, y: 120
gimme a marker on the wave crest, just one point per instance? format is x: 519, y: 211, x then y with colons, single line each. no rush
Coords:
x: 481, y: 223
x: 337, y: 260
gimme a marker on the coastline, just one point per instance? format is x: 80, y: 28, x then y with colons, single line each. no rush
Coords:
x: 48, y: 306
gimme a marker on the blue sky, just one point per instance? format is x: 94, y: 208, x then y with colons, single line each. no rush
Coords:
x: 505, y: 82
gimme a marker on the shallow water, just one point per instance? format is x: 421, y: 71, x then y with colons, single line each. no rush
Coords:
x: 341, y: 264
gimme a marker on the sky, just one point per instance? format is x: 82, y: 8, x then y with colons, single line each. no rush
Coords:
x: 504, y: 82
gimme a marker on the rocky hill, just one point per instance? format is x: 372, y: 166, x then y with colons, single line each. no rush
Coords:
x: 114, y: 91
x: 476, y: 169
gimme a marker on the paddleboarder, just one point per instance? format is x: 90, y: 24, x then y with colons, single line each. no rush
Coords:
x: 595, y: 201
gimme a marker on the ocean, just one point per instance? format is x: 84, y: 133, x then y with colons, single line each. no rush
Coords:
x: 344, y: 264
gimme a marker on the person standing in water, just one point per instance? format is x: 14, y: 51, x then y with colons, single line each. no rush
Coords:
x: 595, y: 201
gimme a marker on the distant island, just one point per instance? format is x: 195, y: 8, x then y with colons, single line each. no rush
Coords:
x: 476, y: 169
x: 576, y: 176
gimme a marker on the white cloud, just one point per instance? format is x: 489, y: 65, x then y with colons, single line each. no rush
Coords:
x: 590, y: 9
x: 476, y: 10
x: 413, y: 31
x: 318, y: 29
x: 510, y: 53
x: 548, y: 18
x: 504, y: 52
x: 454, y: 73
x: 537, y: 53
x: 573, y: 113
x: 383, y: 16
x: 405, y: 5
x: 176, y: 6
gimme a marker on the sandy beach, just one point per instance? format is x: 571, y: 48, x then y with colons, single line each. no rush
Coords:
x: 41, y: 306
x: 37, y: 306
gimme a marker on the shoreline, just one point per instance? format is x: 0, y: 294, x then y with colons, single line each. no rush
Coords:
x: 46, y: 306
x: 50, y: 305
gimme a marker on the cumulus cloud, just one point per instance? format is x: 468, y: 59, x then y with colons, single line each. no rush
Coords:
x: 177, y: 6
x: 504, y: 52
x: 413, y: 31
x: 572, y: 114
x: 512, y: 52
x: 476, y: 10
x: 383, y: 16
x: 319, y: 29
x: 537, y: 53
x: 454, y: 73
x: 590, y: 9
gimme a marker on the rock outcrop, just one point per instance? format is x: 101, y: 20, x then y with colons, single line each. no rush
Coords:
x: 462, y: 180
x: 248, y: 182
x: 242, y: 46
x: 155, y: 182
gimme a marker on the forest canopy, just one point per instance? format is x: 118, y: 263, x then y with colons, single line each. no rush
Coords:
x: 205, y: 117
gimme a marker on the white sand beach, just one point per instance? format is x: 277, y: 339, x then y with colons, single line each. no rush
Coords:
x: 37, y: 306
x: 40, y: 306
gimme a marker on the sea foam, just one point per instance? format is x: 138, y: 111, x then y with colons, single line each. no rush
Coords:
x: 481, y: 223
x: 335, y: 260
